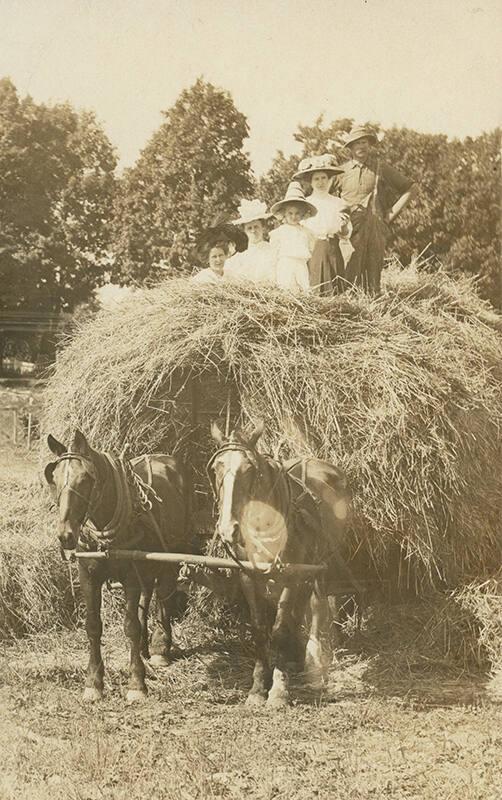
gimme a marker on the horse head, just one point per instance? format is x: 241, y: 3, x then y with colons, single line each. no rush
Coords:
x: 73, y: 480
x: 250, y: 495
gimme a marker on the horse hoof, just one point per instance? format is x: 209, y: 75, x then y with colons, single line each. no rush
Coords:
x: 255, y: 699
x: 92, y: 695
x: 158, y: 660
x: 136, y: 696
x: 277, y: 701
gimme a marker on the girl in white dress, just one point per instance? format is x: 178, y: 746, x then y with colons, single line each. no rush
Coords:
x: 331, y: 225
x: 257, y: 263
x: 293, y: 244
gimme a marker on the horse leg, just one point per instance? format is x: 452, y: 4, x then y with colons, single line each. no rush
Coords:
x: 91, y: 590
x: 261, y: 673
x: 162, y: 636
x: 282, y: 631
x: 315, y: 661
x: 143, y: 608
x: 132, y: 629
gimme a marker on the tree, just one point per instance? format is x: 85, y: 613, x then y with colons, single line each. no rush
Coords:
x: 192, y: 169
x: 455, y: 219
x: 56, y: 197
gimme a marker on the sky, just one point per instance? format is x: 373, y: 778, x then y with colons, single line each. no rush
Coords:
x: 432, y: 65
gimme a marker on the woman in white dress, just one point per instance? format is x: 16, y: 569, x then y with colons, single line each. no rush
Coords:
x: 215, y: 246
x: 256, y: 264
x: 330, y: 226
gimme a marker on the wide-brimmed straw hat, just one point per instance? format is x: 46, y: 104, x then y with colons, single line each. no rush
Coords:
x: 325, y: 163
x: 252, y: 211
x: 294, y: 194
x: 361, y: 132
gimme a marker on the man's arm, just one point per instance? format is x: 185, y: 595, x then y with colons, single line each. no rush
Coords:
x: 402, y: 202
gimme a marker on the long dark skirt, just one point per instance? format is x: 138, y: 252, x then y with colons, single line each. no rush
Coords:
x: 326, y: 268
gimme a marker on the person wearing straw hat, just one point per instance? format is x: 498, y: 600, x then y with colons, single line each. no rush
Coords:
x: 376, y: 194
x: 293, y: 244
x: 331, y: 225
x: 216, y: 244
x: 256, y: 264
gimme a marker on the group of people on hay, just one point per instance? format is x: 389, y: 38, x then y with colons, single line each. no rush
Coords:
x: 327, y: 240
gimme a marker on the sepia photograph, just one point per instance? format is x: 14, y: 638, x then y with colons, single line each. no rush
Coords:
x: 250, y: 400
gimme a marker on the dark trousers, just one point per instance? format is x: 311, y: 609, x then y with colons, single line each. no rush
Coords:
x: 368, y: 239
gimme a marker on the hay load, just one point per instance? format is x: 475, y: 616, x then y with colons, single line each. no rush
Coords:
x: 404, y: 392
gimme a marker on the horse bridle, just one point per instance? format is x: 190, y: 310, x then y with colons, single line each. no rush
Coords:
x: 252, y: 457
x: 229, y: 446
x: 92, y: 474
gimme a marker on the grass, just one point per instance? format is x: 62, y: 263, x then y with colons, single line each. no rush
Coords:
x: 193, y: 738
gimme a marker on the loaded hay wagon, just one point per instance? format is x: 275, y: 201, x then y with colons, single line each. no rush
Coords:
x: 403, y: 392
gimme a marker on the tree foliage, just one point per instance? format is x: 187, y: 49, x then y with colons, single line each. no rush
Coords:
x: 455, y: 219
x: 56, y: 194
x: 191, y: 170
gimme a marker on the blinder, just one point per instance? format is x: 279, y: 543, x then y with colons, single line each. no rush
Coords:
x: 230, y: 446
x: 89, y: 466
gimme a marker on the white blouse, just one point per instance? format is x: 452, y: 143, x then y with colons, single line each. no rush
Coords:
x: 292, y: 241
x: 256, y: 264
x: 206, y: 276
x: 328, y: 220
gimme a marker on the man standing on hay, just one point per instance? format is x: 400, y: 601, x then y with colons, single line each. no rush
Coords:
x: 376, y: 194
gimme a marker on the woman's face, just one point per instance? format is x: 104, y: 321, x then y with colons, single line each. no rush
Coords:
x: 320, y: 182
x: 292, y: 214
x: 254, y: 231
x: 217, y: 258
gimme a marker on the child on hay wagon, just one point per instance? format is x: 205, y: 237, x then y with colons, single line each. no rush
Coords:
x: 293, y: 244
x: 217, y: 244
x: 256, y: 263
x: 331, y: 225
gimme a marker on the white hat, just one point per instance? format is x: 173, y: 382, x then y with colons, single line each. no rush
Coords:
x: 251, y: 211
x: 294, y: 194
x: 325, y: 163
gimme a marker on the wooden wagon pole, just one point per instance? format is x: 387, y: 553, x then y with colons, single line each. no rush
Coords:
x: 212, y: 562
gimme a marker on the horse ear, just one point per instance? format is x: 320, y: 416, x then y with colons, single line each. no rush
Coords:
x: 55, y: 447
x: 255, y: 435
x: 81, y: 445
x: 217, y: 434
x: 49, y: 472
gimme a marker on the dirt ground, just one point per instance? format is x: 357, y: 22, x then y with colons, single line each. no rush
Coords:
x: 379, y: 730
x: 194, y: 738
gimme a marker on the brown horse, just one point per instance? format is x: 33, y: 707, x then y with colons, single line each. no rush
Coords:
x: 105, y: 504
x: 271, y: 515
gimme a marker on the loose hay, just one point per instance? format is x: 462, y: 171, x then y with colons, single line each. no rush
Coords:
x: 37, y: 591
x: 404, y: 392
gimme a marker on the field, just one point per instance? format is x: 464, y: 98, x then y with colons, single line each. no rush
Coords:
x: 395, y: 720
